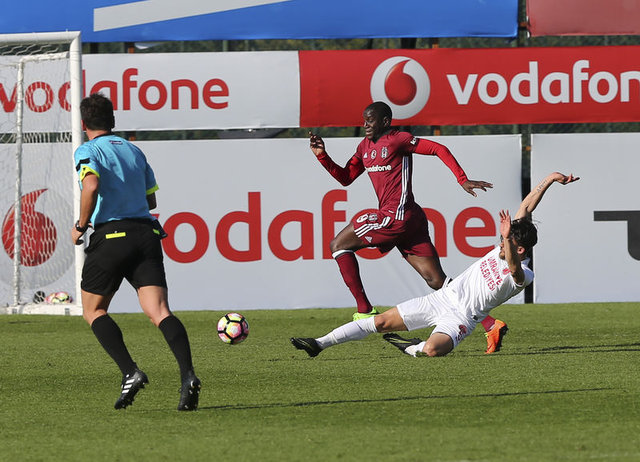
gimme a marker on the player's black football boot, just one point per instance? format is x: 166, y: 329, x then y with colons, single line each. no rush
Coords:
x: 189, y: 393
x: 307, y: 344
x: 400, y: 342
x: 131, y: 385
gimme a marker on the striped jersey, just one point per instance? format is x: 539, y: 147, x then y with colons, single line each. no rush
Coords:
x: 389, y: 165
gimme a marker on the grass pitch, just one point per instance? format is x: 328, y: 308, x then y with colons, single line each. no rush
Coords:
x: 566, y: 386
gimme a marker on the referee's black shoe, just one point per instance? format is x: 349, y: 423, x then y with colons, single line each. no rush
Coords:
x: 189, y: 393
x: 400, y: 342
x: 131, y: 385
x: 307, y: 344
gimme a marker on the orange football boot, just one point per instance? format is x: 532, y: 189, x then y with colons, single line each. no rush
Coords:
x: 495, y: 336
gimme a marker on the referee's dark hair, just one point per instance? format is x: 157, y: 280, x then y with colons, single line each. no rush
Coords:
x: 96, y: 111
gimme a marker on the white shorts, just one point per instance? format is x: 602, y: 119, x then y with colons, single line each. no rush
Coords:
x: 436, y: 309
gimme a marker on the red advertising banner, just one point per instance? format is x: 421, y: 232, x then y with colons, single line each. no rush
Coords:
x: 583, y: 17
x: 472, y: 86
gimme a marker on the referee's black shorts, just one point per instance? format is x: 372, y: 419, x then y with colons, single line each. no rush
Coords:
x: 123, y: 249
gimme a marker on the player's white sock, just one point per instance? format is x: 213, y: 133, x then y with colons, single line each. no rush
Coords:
x: 337, y: 253
x: 415, y: 350
x: 354, y: 330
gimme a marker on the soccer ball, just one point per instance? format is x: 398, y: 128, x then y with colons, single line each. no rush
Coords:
x: 58, y: 297
x: 233, y: 328
x: 39, y: 297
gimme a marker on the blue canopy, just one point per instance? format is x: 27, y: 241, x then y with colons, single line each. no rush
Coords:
x: 159, y: 20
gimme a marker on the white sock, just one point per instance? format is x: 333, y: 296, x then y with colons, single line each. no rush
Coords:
x: 354, y: 330
x: 415, y: 350
x: 340, y: 252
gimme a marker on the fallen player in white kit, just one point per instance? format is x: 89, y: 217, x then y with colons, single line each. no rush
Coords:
x: 455, y: 309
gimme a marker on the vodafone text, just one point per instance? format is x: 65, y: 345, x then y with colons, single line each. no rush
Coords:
x: 379, y: 168
x: 554, y: 87
x: 151, y: 94
x: 154, y: 94
x: 252, y: 218
x: 38, y: 97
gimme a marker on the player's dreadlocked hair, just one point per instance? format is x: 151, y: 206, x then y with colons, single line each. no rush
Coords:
x: 525, y: 233
x: 96, y: 111
x: 381, y: 109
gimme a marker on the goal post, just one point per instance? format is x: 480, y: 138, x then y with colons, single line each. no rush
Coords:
x: 40, y: 128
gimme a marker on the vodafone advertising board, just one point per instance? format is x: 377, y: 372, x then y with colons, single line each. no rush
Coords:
x: 589, y: 247
x: 472, y: 86
x: 198, y: 90
x: 163, y: 91
x: 250, y: 221
x: 172, y: 91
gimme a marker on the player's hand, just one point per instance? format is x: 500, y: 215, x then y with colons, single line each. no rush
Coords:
x: 470, y: 185
x: 316, y: 143
x: 505, y: 224
x: 564, y: 179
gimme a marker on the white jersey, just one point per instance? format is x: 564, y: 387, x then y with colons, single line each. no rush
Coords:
x: 485, y: 284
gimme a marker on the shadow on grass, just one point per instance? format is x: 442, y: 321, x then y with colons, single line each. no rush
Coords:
x: 239, y: 407
x: 579, y: 349
x: 592, y: 347
x: 542, y: 351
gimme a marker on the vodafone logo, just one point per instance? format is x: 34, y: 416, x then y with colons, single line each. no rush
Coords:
x: 39, y: 235
x: 46, y: 253
x: 403, y: 84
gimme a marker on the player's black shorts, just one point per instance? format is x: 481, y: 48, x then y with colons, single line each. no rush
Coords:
x: 123, y: 249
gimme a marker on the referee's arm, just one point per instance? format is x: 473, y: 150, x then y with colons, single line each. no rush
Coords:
x: 152, y: 201
x: 88, y: 200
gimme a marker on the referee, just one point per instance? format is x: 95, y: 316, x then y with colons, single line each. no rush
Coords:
x: 118, y: 190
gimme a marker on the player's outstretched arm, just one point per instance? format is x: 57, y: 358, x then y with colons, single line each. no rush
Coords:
x: 345, y: 175
x: 532, y: 200
x: 428, y: 147
x: 510, y: 248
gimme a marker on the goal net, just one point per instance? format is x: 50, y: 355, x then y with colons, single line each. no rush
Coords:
x: 40, y: 92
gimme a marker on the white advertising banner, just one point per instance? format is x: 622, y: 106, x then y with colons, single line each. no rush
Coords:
x: 173, y: 91
x: 250, y: 221
x: 589, y: 232
x: 162, y: 91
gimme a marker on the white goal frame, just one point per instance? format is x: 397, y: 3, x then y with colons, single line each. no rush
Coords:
x: 74, y: 55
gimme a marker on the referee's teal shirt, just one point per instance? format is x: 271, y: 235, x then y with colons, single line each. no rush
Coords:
x: 124, y: 174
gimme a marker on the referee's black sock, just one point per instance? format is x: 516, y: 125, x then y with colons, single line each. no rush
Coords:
x: 176, y: 336
x: 110, y: 337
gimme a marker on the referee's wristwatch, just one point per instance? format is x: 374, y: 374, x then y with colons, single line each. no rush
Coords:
x: 81, y: 229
